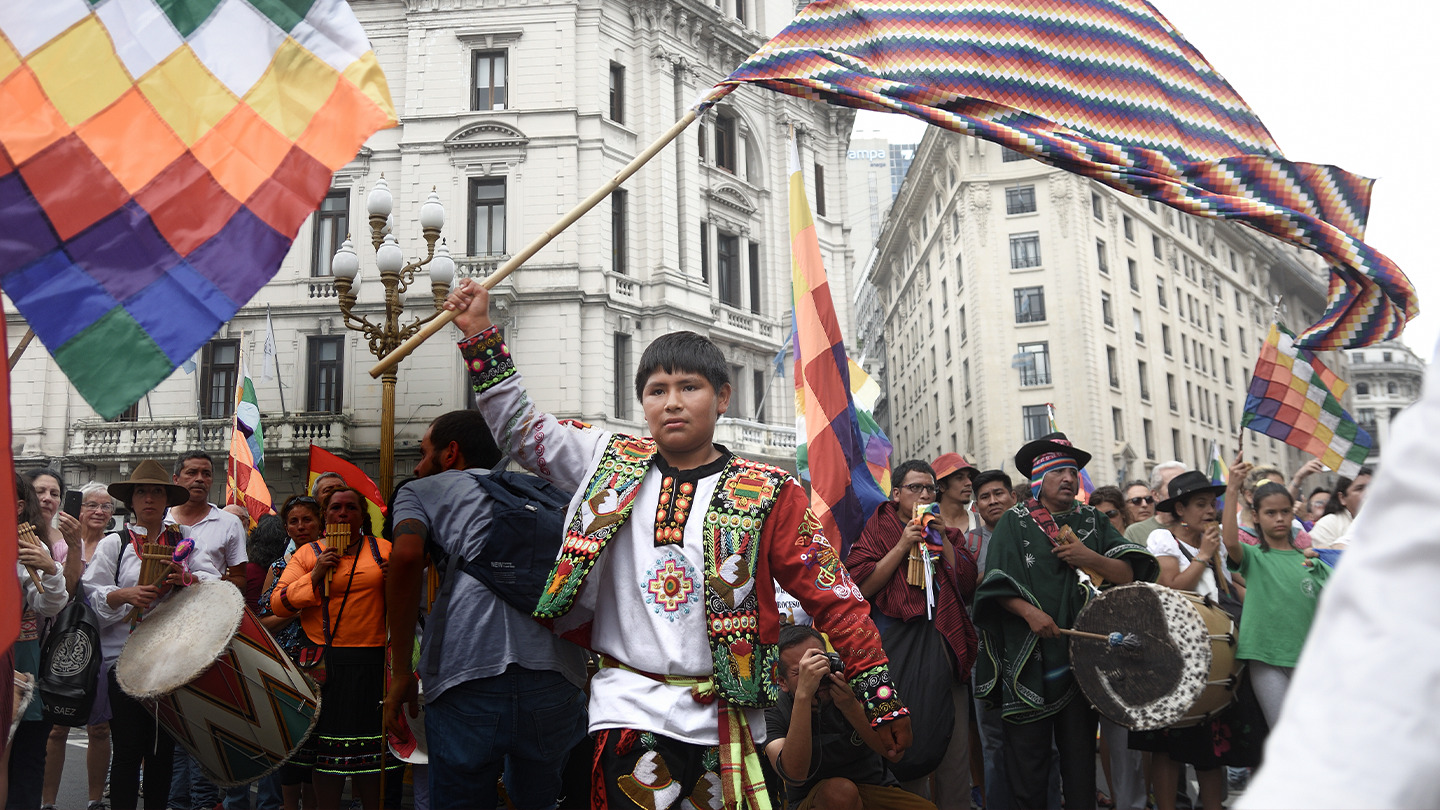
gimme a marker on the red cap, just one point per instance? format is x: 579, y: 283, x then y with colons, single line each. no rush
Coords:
x: 950, y: 463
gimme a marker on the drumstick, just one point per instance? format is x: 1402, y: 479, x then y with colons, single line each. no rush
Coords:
x: 27, y: 536
x: 1127, y: 640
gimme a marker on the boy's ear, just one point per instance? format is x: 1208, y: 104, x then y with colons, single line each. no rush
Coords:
x: 722, y: 399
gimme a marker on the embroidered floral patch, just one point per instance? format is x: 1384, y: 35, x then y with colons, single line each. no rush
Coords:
x: 671, y: 587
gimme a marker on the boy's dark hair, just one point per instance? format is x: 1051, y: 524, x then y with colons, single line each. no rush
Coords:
x: 897, y: 475
x: 682, y: 352
x: 470, y: 433
x: 1341, y: 484
x: 1318, y: 491
x: 191, y: 455
x: 793, y: 634
x: 990, y: 477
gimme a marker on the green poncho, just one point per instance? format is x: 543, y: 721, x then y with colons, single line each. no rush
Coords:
x: 1027, y: 675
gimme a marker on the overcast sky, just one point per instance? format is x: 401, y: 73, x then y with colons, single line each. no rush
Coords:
x: 1350, y: 83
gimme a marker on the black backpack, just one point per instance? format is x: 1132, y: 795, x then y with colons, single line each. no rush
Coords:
x: 527, y: 526
x: 70, y: 664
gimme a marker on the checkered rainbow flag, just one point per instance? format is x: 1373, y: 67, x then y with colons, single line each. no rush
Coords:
x: 839, y: 449
x: 157, y: 158
x: 1108, y: 89
x: 1294, y: 398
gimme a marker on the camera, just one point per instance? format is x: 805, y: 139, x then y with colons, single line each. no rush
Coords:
x: 836, y: 665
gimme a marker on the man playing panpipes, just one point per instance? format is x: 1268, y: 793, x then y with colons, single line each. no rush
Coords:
x: 668, y: 569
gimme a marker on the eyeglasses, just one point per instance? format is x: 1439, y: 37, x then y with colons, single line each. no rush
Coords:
x: 97, y: 507
x: 1110, y: 513
x: 1146, y: 499
x: 921, y: 489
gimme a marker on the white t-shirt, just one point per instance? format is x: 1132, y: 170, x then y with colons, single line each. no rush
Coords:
x: 1164, y: 544
x: 1332, y: 530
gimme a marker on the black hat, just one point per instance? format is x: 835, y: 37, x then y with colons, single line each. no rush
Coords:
x: 1187, y: 484
x: 1049, y: 443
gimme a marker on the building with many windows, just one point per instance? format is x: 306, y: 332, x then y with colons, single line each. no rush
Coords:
x: 1007, y: 287
x: 512, y: 113
x: 1385, y: 379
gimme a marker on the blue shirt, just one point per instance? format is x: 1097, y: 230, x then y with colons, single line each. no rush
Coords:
x: 482, y: 633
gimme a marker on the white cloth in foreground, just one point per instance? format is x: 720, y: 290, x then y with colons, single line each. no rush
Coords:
x: 1366, y: 691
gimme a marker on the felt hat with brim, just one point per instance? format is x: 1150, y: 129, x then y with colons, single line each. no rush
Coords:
x: 1049, y: 443
x: 149, y: 472
x: 1188, y: 484
x: 948, y: 464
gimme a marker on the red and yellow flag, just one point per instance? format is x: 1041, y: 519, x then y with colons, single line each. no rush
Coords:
x: 323, y: 461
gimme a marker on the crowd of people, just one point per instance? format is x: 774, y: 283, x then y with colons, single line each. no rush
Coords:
x: 927, y: 665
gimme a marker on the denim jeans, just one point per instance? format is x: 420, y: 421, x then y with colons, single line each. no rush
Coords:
x: 189, y: 789
x: 520, y: 724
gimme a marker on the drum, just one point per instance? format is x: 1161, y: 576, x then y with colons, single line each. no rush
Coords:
x: 219, y: 684
x: 1176, y: 667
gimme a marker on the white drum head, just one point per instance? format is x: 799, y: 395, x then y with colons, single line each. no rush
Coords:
x: 177, y: 641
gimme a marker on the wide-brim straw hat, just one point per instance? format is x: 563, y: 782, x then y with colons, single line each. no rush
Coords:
x: 152, y: 473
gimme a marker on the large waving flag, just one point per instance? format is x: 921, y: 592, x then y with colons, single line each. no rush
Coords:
x: 843, y: 489
x: 157, y: 158
x: 245, y: 484
x: 323, y: 461
x: 1107, y: 89
x: 1295, y: 398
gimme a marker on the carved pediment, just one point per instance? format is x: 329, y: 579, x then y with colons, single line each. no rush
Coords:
x: 487, y: 135
x: 732, y: 197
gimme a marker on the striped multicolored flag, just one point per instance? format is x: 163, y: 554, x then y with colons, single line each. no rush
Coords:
x: 865, y: 393
x: 1294, y: 398
x: 1107, y: 89
x: 245, y: 483
x: 324, y: 461
x: 1219, y: 472
x: 157, y: 158
x: 843, y: 490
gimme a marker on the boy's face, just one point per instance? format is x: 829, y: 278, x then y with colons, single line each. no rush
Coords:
x: 681, y: 408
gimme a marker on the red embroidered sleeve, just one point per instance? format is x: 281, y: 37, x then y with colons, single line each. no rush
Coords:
x: 797, y: 555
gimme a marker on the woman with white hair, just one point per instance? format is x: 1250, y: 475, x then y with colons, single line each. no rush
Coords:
x: 96, y: 510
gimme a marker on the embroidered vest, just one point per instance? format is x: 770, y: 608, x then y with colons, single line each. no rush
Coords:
x: 744, y: 668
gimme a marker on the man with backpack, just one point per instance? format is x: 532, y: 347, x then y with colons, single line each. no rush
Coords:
x: 502, y: 693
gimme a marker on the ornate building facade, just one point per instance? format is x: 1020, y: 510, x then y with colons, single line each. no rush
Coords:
x: 1007, y: 287
x: 1385, y: 379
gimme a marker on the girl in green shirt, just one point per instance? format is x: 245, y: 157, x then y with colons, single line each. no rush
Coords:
x: 1282, y: 585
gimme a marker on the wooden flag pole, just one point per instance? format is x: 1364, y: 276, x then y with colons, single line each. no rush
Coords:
x: 446, y: 316
x: 20, y: 347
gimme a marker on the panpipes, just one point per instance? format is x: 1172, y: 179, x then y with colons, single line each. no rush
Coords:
x: 28, y: 538
x: 155, y: 560
x: 337, y: 536
x: 918, y: 560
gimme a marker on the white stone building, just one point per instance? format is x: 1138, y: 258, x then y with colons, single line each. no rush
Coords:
x: 514, y: 112
x: 1007, y: 285
x: 1385, y: 379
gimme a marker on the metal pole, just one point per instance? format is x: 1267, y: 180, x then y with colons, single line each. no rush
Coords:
x: 387, y: 432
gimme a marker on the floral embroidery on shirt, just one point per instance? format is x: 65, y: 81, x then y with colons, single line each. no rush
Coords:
x: 671, y: 588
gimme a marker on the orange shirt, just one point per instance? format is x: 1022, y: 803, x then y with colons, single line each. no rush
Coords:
x: 363, y: 622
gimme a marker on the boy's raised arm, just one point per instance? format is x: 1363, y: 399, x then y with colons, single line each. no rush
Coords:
x: 560, y: 453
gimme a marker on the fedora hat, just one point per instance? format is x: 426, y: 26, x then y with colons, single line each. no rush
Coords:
x: 948, y: 464
x: 1049, y: 443
x: 152, y: 473
x: 1187, y: 484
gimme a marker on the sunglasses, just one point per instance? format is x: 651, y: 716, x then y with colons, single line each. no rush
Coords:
x: 1147, y: 500
x: 1110, y: 513
x: 921, y: 489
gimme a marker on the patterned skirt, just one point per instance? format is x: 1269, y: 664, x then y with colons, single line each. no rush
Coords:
x: 348, y: 738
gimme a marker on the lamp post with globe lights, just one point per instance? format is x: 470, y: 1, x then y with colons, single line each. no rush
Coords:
x: 396, y: 275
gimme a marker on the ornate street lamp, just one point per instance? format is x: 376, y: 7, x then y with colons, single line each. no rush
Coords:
x: 396, y: 276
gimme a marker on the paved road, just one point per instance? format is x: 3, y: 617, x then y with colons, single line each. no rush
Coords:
x: 72, y: 781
